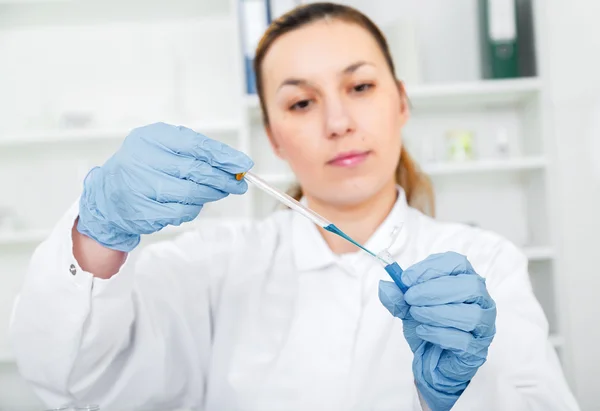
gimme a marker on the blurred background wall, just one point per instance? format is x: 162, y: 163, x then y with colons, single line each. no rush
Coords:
x: 512, y: 142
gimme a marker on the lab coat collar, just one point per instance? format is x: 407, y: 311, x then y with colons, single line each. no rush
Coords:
x: 311, y: 252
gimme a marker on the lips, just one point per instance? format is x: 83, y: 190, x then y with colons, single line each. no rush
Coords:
x: 349, y: 158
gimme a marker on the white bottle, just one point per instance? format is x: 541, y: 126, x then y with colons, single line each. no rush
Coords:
x: 502, y: 144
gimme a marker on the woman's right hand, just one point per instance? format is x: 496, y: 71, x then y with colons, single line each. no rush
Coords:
x: 162, y: 175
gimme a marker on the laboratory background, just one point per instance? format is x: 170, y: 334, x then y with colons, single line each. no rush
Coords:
x: 505, y: 98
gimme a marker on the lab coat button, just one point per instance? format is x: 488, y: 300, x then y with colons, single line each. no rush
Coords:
x: 72, y: 269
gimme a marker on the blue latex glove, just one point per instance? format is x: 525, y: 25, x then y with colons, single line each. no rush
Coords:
x: 449, y: 322
x: 162, y: 175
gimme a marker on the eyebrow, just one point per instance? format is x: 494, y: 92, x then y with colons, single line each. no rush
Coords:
x: 353, y: 67
x: 348, y: 70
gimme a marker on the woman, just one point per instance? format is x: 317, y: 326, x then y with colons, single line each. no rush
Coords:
x: 278, y: 314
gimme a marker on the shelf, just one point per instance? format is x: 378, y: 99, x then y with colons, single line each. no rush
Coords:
x: 476, y: 94
x: 27, y: 13
x: 33, y: 237
x: 91, y: 135
x: 539, y: 253
x: 478, y: 166
x: 485, y: 93
x: 25, y: 237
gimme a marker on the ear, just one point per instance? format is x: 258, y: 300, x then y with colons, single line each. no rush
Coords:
x: 404, y: 102
x: 274, y: 145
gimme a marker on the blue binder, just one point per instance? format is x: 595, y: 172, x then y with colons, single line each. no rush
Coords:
x: 254, y: 21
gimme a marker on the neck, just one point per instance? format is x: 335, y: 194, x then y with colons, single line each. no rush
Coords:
x: 359, y: 221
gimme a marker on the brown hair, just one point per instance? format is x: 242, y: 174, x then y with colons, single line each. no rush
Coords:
x: 416, y: 184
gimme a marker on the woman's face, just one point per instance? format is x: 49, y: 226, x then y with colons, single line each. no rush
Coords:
x: 335, y: 111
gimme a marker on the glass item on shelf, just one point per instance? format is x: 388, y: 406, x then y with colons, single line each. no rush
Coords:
x: 502, y: 144
x: 460, y: 145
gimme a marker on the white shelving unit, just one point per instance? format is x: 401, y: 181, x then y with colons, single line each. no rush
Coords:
x: 539, y: 253
x: 485, y: 166
x: 508, y: 195
x: 71, y: 136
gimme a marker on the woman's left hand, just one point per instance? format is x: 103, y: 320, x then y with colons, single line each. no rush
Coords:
x: 449, y: 322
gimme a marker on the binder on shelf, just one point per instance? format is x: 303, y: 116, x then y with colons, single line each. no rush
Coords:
x: 254, y: 22
x: 526, y: 39
x: 499, y: 39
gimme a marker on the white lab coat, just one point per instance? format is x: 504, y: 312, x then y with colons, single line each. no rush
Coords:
x: 263, y: 316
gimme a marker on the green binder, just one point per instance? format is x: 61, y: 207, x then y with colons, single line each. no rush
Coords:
x: 499, y: 38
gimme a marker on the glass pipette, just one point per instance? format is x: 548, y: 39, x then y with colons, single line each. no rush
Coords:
x: 384, y: 257
x: 298, y: 207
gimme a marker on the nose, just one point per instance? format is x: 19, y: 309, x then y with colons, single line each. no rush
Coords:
x: 338, y: 118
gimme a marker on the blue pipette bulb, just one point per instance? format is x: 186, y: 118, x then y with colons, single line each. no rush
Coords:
x: 395, y: 272
x: 392, y: 268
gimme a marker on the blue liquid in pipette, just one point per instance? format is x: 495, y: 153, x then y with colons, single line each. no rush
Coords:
x: 333, y: 229
x: 393, y: 269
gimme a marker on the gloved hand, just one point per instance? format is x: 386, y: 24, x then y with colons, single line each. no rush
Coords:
x: 161, y: 175
x: 449, y: 322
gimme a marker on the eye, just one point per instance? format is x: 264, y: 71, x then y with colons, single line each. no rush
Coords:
x: 362, y: 87
x: 300, y: 105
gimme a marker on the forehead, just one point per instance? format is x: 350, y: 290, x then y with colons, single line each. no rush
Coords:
x: 320, y: 48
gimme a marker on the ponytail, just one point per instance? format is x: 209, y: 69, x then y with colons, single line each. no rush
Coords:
x: 416, y: 184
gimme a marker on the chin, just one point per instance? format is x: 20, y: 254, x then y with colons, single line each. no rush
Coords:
x: 352, y: 191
